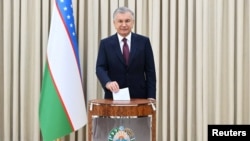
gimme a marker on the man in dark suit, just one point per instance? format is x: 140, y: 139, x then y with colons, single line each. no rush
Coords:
x: 112, y: 70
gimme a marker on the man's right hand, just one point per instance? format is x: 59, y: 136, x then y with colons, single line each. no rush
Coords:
x: 113, y: 86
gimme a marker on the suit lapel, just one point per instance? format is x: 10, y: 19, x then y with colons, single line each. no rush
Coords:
x: 132, y: 48
x: 117, y: 49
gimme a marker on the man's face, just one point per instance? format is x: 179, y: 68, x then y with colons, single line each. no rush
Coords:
x: 123, y: 23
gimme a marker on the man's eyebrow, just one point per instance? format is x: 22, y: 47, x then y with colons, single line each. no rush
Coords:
x: 123, y: 19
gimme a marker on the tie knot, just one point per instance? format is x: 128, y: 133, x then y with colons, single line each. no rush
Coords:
x: 124, y: 40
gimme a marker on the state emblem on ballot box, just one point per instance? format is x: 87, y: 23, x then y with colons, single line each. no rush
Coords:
x: 121, y: 134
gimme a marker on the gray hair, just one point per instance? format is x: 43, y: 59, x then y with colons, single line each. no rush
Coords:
x: 123, y: 10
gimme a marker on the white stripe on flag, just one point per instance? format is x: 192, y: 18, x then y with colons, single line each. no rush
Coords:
x: 63, y: 65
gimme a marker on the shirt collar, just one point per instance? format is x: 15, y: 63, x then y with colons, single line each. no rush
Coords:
x: 127, y: 37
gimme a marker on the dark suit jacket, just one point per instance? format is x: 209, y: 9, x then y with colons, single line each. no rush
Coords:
x: 139, y: 76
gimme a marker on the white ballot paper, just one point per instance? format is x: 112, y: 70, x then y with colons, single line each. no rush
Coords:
x: 122, y: 94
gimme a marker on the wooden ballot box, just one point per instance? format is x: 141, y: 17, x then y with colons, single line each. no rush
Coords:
x: 112, y: 108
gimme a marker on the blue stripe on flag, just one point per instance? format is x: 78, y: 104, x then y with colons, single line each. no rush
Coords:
x: 66, y: 11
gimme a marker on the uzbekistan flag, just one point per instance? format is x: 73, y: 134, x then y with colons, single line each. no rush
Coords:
x: 62, y: 106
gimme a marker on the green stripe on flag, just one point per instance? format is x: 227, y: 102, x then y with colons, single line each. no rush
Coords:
x: 53, y: 119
